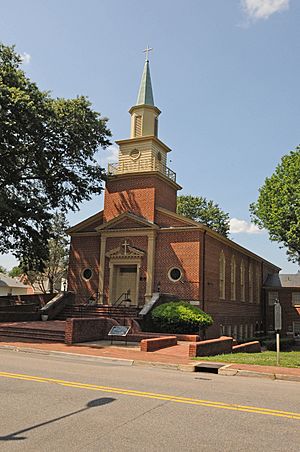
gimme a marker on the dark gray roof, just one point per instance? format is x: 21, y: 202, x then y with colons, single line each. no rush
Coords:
x: 288, y: 280
x: 7, y: 281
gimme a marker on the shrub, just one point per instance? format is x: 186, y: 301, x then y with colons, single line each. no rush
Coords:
x: 180, y: 317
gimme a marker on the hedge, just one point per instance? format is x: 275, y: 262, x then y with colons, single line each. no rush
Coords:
x: 180, y: 317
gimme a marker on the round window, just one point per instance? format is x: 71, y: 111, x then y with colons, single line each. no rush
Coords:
x: 134, y: 154
x: 87, y: 274
x: 175, y: 274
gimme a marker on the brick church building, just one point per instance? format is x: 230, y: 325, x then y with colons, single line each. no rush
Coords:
x: 138, y: 245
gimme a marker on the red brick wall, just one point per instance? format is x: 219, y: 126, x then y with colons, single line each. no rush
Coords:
x: 84, y: 253
x: 211, y: 347
x: 229, y: 313
x: 289, y: 312
x: 166, y: 195
x: 247, y: 347
x: 166, y: 221
x: 87, y: 329
x: 150, y: 345
x: 180, y: 249
x: 213, y: 250
x: 137, y: 194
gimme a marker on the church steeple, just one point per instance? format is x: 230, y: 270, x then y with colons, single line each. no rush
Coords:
x: 143, y: 152
x: 141, y: 180
x: 144, y: 115
x: 145, y: 96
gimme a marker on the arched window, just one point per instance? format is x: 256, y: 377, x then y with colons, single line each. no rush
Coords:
x: 251, y: 329
x: 234, y: 332
x: 222, y: 264
x: 258, y: 285
x: 241, y: 332
x: 233, y: 279
x: 138, y: 126
x: 250, y: 274
x: 242, y: 280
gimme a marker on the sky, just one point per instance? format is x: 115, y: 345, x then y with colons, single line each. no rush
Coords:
x: 225, y: 74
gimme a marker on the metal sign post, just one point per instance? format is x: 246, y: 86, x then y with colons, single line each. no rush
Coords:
x: 277, y: 327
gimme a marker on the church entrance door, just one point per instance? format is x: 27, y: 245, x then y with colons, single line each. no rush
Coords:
x: 126, y: 283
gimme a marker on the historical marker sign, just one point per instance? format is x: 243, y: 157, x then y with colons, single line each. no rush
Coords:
x: 119, y: 330
x: 277, y: 316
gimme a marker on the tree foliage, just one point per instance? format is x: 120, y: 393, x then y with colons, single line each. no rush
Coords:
x: 278, y: 206
x: 3, y: 270
x: 180, y: 317
x: 204, y: 211
x: 55, y: 267
x: 15, y: 272
x: 47, y: 150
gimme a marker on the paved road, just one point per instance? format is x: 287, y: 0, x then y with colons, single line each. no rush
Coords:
x: 56, y: 404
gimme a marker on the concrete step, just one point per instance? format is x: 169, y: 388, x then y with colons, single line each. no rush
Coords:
x: 57, y: 336
x: 209, y: 367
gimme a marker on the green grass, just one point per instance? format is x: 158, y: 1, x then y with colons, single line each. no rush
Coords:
x: 287, y: 359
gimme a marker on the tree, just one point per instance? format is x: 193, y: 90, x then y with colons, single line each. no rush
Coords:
x: 15, y: 272
x: 3, y: 270
x: 278, y: 206
x: 203, y: 211
x: 56, y: 265
x: 47, y: 149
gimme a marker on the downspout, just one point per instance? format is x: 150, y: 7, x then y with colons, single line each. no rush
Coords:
x: 263, y: 300
x: 203, y: 271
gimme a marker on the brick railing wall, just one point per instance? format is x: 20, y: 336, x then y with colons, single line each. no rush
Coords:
x: 247, y: 347
x: 211, y: 347
x: 87, y: 329
x: 150, y: 345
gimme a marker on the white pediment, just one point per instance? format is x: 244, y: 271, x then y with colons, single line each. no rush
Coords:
x: 125, y: 252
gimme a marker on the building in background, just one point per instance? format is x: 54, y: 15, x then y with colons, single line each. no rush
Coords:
x: 286, y: 289
x: 11, y: 286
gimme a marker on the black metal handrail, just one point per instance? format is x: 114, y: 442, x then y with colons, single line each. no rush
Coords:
x: 119, y: 301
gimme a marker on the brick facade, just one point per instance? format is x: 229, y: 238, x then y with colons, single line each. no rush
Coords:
x: 138, y: 194
x: 140, y: 233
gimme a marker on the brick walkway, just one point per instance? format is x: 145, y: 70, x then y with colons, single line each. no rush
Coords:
x: 112, y: 351
x: 176, y: 355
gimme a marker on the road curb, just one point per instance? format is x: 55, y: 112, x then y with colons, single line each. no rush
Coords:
x: 70, y: 356
x: 225, y: 370
x: 101, y: 359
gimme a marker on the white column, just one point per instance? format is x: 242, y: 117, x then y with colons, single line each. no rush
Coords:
x: 150, y: 265
x: 101, y: 268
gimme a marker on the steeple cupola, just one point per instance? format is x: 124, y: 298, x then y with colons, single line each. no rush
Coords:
x: 141, y: 180
x: 143, y: 151
x: 144, y: 115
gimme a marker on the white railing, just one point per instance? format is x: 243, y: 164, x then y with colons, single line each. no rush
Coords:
x: 140, y: 165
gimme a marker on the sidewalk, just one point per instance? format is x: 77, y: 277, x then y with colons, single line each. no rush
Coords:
x: 172, y: 357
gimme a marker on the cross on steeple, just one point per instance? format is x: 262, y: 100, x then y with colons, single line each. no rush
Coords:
x: 125, y: 245
x: 147, y: 50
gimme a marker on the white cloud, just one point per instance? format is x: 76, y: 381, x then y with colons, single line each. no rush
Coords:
x: 263, y: 9
x: 26, y: 58
x: 242, y: 226
x: 109, y: 155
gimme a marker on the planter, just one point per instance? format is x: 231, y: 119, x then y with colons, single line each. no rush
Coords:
x: 44, y: 317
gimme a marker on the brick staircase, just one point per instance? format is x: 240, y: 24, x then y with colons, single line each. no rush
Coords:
x: 53, y: 331
x: 115, y: 312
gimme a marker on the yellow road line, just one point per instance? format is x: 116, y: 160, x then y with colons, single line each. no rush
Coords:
x: 153, y: 395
